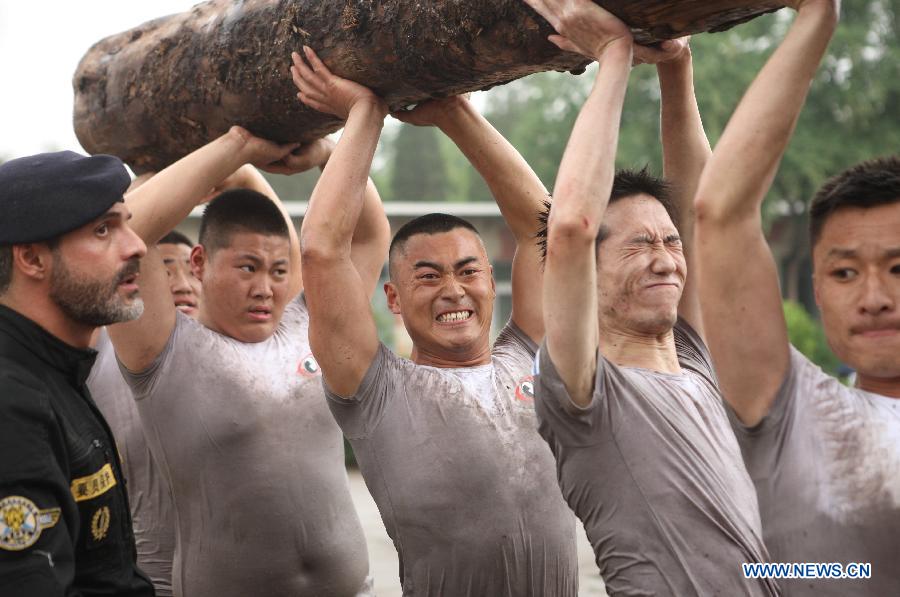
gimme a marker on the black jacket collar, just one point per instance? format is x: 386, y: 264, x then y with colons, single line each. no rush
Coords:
x: 74, y: 363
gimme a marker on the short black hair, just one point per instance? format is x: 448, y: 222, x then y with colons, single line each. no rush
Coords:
x: 869, y: 184
x: 175, y: 238
x: 433, y: 223
x: 627, y: 183
x: 239, y: 210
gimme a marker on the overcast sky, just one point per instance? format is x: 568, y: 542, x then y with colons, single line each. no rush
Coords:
x: 41, y: 42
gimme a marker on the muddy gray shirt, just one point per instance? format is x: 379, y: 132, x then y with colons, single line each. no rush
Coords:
x: 152, y: 510
x: 826, y: 464
x: 653, y: 470
x: 255, y: 462
x: 464, y: 484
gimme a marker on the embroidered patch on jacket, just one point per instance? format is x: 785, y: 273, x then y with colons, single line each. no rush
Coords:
x: 21, y: 522
x: 308, y: 366
x: 91, y: 486
x: 100, y: 523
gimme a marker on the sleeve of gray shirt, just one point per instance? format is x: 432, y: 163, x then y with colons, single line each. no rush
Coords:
x: 513, y: 341
x: 143, y: 383
x: 359, y: 415
x: 769, y: 437
x: 560, y: 419
x: 693, y: 353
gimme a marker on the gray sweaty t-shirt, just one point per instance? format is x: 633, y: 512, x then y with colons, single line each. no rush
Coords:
x: 152, y: 510
x: 653, y: 470
x: 464, y: 484
x: 255, y: 462
x: 826, y: 464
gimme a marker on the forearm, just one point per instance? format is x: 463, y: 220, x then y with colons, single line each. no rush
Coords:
x: 583, y: 189
x: 515, y: 186
x: 686, y: 152
x: 371, y: 238
x: 372, y: 227
x: 686, y: 149
x: 338, y: 199
x: 588, y: 166
x: 746, y: 158
x: 167, y: 198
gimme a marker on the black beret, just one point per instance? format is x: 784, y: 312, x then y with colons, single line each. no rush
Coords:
x: 45, y: 195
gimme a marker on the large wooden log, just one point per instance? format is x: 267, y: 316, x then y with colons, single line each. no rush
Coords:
x: 154, y: 93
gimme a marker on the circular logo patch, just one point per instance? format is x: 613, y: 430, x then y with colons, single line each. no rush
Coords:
x: 525, y: 389
x: 19, y: 526
x: 100, y: 523
x: 308, y: 366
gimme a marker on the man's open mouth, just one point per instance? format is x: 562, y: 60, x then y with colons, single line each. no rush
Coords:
x: 455, y: 316
x: 261, y: 313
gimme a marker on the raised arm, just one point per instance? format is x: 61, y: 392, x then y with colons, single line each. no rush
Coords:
x: 738, y: 280
x: 582, y: 191
x: 157, y: 207
x: 167, y: 198
x: 371, y: 239
x: 342, y: 331
x: 516, y: 188
x: 686, y: 152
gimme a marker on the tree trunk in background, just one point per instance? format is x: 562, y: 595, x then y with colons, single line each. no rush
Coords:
x: 159, y: 91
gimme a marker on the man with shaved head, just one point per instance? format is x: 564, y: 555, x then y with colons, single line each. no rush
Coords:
x: 445, y: 440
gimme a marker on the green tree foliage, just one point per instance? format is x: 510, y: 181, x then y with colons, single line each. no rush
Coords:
x: 807, y: 336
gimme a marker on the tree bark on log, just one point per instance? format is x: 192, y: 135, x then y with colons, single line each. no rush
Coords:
x: 157, y: 92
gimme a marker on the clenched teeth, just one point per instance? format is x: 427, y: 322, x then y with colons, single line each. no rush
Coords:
x: 454, y: 316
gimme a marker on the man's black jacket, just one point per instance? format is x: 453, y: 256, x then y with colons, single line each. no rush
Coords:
x: 65, y: 526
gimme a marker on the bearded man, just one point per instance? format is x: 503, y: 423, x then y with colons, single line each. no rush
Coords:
x: 68, y: 263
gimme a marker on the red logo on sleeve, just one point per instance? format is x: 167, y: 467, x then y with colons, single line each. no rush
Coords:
x: 525, y: 389
x: 308, y: 366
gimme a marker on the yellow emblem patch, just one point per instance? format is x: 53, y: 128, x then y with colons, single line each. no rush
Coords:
x: 91, y: 486
x: 21, y: 522
x: 100, y: 523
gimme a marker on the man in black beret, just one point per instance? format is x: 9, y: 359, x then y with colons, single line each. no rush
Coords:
x: 69, y: 262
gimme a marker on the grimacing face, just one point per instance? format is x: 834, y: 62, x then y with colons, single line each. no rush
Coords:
x: 95, y: 271
x: 245, y: 285
x: 641, y: 268
x: 185, y: 288
x: 856, y: 265
x: 443, y: 288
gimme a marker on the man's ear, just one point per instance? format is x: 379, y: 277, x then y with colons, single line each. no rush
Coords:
x: 199, y: 257
x: 33, y: 260
x: 393, y: 298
